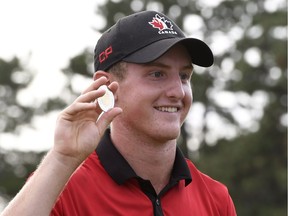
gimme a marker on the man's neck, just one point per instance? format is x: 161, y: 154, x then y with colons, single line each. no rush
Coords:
x: 150, y: 160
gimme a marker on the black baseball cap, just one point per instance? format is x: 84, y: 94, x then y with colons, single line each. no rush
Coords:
x: 143, y: 37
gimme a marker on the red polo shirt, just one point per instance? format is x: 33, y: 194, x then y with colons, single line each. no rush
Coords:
x: 105, y: 184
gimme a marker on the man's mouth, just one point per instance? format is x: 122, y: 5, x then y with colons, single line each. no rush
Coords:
x: 167, y: 109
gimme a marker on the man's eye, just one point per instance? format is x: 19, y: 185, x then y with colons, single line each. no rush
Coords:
x: 185, y: 76
x: 157, y: 74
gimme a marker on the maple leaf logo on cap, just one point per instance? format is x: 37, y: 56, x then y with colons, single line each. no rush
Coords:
x: 161, y: 23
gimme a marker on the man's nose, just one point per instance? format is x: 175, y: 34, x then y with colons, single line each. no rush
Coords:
x: 175, y: 88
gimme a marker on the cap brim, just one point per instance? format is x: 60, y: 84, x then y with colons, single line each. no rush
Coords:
x: 199, y: 51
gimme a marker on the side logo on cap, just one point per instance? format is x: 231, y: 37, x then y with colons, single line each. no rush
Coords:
x: 164, y: 26
x: 105, y: 54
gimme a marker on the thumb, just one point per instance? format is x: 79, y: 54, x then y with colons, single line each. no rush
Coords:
x: 106, y: 118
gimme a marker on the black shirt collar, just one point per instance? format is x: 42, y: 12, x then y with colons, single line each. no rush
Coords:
x: 120, y: 171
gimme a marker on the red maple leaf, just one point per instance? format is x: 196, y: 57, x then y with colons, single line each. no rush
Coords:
x: 157, y: 24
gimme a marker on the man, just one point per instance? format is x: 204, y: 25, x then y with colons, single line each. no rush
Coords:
x: 136, y: 169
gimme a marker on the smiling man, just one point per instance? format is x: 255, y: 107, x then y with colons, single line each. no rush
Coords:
x: 134, y: 167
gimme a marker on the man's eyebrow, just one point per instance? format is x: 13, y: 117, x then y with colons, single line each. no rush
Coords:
x: 189, y: 67
x: 159, y: 64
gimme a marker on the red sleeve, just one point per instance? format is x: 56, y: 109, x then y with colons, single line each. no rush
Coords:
x: 222, y: 198
x: 57, y: 209
x: 231, y: 211
x: 220, y: 195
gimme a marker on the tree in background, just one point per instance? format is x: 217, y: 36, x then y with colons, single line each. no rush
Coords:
x: 14, y: 166
x: 13, y: 78
x: 236, y: 132
x: 253, y: 164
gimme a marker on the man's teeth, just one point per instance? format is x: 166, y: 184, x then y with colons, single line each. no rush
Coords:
x: 167, y: 109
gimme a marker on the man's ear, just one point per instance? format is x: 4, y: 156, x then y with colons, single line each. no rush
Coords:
x: 109, y: 76
x: 99, y: 74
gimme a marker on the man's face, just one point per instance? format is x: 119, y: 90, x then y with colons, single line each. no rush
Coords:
x: 157, y: 96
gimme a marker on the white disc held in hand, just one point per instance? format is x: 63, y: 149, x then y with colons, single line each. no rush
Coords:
x: 106, y: 102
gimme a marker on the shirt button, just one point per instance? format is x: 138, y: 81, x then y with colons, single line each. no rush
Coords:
x: 157, y: 202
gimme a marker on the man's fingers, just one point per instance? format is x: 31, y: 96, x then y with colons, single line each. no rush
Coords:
x: 96, y: 84
x: 90, y: 96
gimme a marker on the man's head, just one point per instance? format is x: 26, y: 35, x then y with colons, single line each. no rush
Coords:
x: 156, y: 61
x: 143, y: 37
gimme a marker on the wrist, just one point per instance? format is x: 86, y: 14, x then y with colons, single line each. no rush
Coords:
x: 69, y: 163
